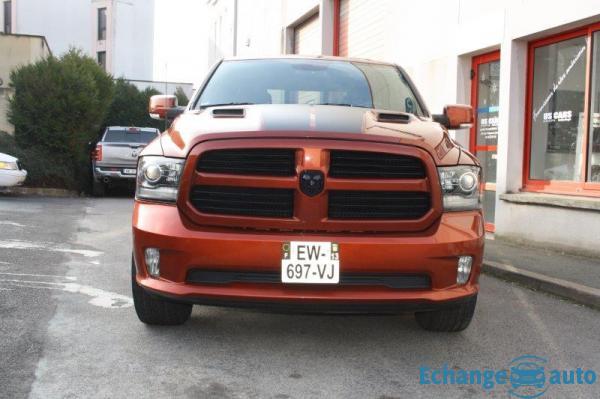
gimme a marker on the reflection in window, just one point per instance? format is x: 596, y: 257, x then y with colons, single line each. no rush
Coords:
x: 308, y: 81
x: 7, y: 17
x: 488, y: 99
x: 557, y: 111
x: 594, y: 151
x: 102, y: 59
x: 102, y: 24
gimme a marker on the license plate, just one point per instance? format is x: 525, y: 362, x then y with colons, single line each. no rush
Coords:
x: 308, y: 262
x: 129, y: 171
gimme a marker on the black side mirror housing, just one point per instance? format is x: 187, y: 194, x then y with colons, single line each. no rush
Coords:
x: 441, y: 119
x: 173, y: 113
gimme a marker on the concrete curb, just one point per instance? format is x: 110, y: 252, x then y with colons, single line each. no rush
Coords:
x: 38, y: 191
x: 566, y: 289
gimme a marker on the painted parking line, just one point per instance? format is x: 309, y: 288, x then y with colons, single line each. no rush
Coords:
x: 99, y: 297
x: 17, y: 244
x: 9, y: 223
x: 71, y: 278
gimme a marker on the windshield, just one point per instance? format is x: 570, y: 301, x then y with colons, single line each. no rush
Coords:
x: 307, y: 81
x: 130, y: 136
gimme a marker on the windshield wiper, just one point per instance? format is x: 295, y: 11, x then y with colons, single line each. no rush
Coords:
x: 340, y: 104
x: 223, y: 104
x: 344, y: 105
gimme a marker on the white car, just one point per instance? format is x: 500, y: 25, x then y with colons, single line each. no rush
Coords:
x: 11, y: 173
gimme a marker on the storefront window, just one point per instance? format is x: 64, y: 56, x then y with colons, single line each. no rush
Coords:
x: 488, y: 98
x: 594, y: 126
x: 557, y: 111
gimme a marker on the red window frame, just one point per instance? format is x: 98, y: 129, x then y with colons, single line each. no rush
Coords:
x: 582, y: 187
x: 336, y: 27
x: 473, y: 147
x: 479, y: 59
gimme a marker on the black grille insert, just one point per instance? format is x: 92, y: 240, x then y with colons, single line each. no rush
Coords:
x: 390, y: 280
x: 399, y: 205
x: 374, y: 165
x: 244, y: 201
x: 251, y: 161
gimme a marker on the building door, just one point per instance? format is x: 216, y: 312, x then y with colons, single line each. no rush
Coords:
x: 360, y: 28
x: 307, y: 37
x: 485, y: 90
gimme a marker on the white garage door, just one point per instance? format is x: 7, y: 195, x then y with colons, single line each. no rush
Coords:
x: 307, y: 38
x: 363, y: 28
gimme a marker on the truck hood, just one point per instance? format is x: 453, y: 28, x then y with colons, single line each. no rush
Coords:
x: 309, y: 121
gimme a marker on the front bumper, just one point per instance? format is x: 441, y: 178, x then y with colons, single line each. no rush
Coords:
x: 114, y: 173
x: 10, y: 178
x: 185, y: 246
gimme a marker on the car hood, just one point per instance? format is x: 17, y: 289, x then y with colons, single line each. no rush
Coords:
x: 309, y: 121
x: 7, y: 158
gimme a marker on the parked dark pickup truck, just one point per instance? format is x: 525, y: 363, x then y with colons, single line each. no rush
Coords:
x: 116, y: 154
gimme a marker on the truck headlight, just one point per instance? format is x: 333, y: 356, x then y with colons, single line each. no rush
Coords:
x: 158, y: 178
x: 460, y: 187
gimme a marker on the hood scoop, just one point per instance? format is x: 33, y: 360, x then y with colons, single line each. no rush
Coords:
x: 392, y: 117
x: 228, y: 113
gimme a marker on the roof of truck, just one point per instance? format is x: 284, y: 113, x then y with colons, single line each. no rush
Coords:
x: 132, y: 128
x: 308, y: 57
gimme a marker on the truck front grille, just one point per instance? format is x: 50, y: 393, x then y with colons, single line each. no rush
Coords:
x: 243, y: 201
x: 249, y: 161
x: 400, y: 205
x: 381, y: 188
x: 374, y: 165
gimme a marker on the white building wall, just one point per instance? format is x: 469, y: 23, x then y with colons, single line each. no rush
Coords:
x: 133, y: 39
x: 129, y: 44
x: 435, y: 40
x: 15, y: 51
x: 64, y: 23
x: 260, y: 27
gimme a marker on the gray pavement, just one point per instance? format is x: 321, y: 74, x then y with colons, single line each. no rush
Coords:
x: 582, y: 270
x: 68, y: 329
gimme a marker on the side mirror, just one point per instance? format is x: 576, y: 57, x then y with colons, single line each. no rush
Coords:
x: 160, y: 104
x: 455, y: 116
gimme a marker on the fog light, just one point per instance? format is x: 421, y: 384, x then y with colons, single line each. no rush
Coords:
x: 464, y: 269
x: 153, y: 261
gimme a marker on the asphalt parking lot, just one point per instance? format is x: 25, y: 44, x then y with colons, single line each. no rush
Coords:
x: 68, y: 328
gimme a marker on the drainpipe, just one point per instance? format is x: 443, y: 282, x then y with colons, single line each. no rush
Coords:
x: 235, y: 27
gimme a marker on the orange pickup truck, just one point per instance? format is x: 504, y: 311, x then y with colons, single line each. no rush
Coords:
x: 308, y: 184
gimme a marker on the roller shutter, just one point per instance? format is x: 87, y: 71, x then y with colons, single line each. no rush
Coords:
x: 307, y: 38
x: 363, y: 28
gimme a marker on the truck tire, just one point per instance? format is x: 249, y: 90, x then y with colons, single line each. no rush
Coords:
x: 153, y: 310
x: 452, y: 319
x: 98, y: 188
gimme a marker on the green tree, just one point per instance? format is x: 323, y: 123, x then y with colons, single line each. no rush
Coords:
x: 130, y: 107
x: 58, y: 106
x: 182, y: 98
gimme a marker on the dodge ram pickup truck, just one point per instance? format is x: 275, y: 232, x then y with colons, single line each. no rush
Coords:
x: 114, y: 158
x: 308, y: 184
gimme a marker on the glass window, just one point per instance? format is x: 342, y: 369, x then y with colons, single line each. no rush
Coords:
x: 390, y: 89
x: 594, y: 124
x: 488, y: 100
x: 557, y: 124
x: 102, y: 24
x: 129, y: 136
x: 7, y: 17
x: 102, y: 59
x: 308, y: 81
